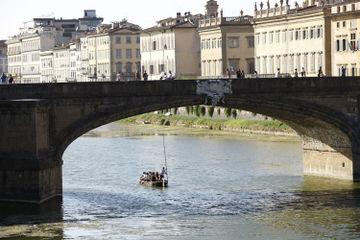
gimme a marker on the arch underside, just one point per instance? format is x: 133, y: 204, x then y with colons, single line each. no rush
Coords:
x: 328, y: 138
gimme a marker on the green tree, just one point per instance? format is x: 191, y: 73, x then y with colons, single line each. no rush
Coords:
x: 234, y: 113
x: 211, y: 111
x: 202, y: 111
x: 197, y: 111
x: 228, y: 112
x: 175, y: 111
x: 192, y: 110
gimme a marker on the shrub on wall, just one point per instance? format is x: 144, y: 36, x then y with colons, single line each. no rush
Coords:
x: 202, y: 111
x: 234, y: 113
x: 211, y: 111
x: 197, y: 111
x: 228, y: 112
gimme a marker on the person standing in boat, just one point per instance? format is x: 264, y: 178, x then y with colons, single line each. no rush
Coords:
x: 163, y: 172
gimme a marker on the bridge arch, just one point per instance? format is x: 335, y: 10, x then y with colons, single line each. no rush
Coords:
x: 328, y: 137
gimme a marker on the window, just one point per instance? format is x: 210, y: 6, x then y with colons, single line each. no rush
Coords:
x: 138, y: 67
x: 305, y: 61
x: 264, y: 38
x: 319, y: 33
x: 250, y: 41
x: 271, y: 37
x: 353, y: 71
x: 118, y: 53
x: 344, y: 24
x: 338, y: 9
x: 277, y: 37
x: 154, y: 45
x: 352, y: 7
x: 344, y: 44
x: 151, y: 69
x: 128, y: 53
x: 291, y: 35
x: 118, y: 67
x: 344, y: 8
x: 353, y: 41
x: 311, y: 33
x: 353, y: 23
x: 138, y: 53
x: 338, y: 45
x: 128, y: 68
x: 338, y: 24
x: 284, y: 36
x: 161, y: 68
x: 305, y: 33
x: 128, y: 39
x: 137, y: 39
x: 312, y: 62
x: 118, y: 40
x: 297, y: 34
x: 233, y: 42
x: 284, y: 63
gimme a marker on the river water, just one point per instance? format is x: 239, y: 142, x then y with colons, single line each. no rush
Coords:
x: 219, y: 188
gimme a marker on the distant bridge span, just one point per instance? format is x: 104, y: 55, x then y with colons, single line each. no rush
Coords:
x: 39, y: 121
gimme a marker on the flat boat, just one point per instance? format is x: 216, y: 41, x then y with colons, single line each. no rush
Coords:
x: 158, y: 183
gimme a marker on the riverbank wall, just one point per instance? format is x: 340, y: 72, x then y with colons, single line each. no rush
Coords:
x: 259, y: 127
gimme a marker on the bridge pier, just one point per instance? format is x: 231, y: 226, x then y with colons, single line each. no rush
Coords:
x: 28, y: 173
x: 324, y: 161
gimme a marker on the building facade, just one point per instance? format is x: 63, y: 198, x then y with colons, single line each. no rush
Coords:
x: 346, y: 38
x: 227, y: 43
x: 47, y: 66
x: 14, y: 58
x: 114, y: 50
x: 84, y: 73
x: 25, y: 48
x: 172, y: 46
x: 75, y: 61
x: 62, y: 63
x: 3, y: 57
x: 293, y: 39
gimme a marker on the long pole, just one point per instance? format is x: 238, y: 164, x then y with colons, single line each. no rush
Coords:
x: 166, y: 169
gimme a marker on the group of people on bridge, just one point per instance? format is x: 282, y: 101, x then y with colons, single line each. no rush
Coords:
x: 7, y: 79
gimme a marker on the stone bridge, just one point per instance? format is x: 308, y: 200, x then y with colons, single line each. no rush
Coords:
x: 38, y: 122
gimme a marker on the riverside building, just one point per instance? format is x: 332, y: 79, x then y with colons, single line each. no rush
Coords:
x: 227, y: 43
x: 293, y: 39
x: 172, y: 45
x: 112, y: 51
x: 47, y: 66
x: 24, y: 49
x: 346, y: 38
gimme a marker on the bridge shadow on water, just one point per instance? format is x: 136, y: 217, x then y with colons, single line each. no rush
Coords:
x: 29, y: 214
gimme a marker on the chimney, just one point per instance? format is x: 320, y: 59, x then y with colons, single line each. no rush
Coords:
x: 178, y: 15
x: 114, y: 25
